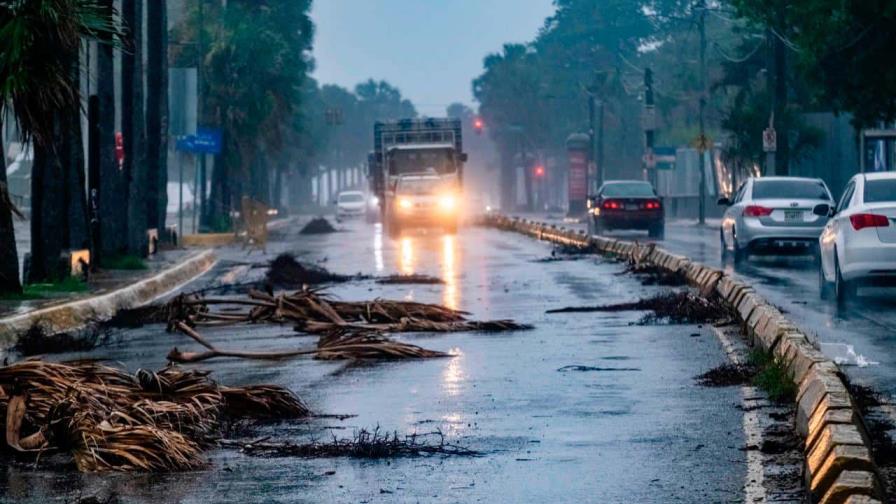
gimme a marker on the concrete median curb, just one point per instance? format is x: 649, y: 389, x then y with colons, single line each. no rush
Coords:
x: 839, y: 465
x: 75, y: 314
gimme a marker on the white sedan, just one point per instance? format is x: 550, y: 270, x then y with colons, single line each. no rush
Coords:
x: 858, y: 245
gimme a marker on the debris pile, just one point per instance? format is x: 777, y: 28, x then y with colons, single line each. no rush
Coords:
x: 364, y: 444
x: 728, y: 374
x: 318, y: 225
x: 287, y: 273
x: 109, y: 420
x: 671, y: 307
x: 651, y: 274
x: 346, y: 329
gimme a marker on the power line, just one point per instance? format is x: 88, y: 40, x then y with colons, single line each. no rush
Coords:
x: 732, y: 59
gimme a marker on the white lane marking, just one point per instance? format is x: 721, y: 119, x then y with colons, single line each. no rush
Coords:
x: 754, y: 487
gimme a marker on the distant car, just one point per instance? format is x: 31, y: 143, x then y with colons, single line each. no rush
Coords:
x: 350, y: 204
x: 773, y: 215
x: 858, y: 244
x: 627, y: 204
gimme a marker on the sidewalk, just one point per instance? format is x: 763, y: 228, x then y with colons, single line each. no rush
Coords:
x: 108, y: 291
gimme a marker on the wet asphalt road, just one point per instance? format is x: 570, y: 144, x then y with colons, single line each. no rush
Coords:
x: 861, y: 335
x: 635, y: 428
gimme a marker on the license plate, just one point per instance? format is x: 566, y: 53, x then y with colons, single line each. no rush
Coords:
x: 793, y: 215
x: 631, y: 206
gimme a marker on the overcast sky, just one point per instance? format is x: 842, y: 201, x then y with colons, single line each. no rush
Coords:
x: 430, y: 49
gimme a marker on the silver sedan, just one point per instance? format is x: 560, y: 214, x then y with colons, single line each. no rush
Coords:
x: 773, y: 215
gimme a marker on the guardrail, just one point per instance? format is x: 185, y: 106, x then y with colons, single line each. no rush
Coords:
x: 839, y: 464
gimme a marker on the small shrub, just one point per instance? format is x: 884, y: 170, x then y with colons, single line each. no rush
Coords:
x: 773, y: 377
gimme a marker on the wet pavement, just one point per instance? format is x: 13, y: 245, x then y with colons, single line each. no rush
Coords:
x: 584, y: 408
x: 860, y: 336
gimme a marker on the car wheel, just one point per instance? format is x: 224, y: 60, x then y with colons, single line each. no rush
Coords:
x: 843, y: 289
x: 740, y: 254
x: 824, y: 287
x: 726, y: 254
x: 657, y: 231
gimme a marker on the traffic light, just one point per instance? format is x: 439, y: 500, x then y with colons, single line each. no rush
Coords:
x: 478, y: 125
x: 539, y: 171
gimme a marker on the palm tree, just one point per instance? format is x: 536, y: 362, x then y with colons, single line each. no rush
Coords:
x: 40, y: 48
x: 9, y: 257
x: 133, y: 127
x: 113, y: 189
x: 157, y: 112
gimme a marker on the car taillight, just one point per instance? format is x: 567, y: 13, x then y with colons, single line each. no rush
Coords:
x: 864, y: 220
x: 757, y: 211
x: 652, y: 205
x: 612, y: 205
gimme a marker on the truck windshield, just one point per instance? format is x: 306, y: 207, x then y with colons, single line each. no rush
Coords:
x: 421, y: 185
x: 422, y: 161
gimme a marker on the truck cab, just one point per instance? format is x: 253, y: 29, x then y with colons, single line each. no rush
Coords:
x: 416, y: 171
x: 424, y: 200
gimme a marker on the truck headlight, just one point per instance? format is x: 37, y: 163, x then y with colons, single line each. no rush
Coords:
x: 404, y: 204
x: 447, y: 202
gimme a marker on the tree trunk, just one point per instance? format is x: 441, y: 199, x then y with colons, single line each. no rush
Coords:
x: 9, y: 257
x: 156, y: 113
x: 112, y: 200
x: 76, y: 233
x: 134, y: 128
x: 48, y: 220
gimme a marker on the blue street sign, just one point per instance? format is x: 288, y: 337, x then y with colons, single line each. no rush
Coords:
x: 205, y: 141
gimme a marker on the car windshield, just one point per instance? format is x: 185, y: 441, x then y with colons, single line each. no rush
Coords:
x: 789, y: 189
x: 351, y: 198
x: 880, y: 190
x: 629, y: 190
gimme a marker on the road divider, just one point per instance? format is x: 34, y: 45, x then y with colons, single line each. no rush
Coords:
x: 838, y: 460
x: 72, y: 315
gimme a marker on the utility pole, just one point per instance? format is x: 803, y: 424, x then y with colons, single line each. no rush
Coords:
x: 199, y: 196
x: 703, y: 140
x: 649, y: 124
x: 596, y: 140
x: 779, y: 100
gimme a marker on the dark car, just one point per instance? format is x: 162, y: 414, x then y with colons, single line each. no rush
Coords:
x: 627, y: 204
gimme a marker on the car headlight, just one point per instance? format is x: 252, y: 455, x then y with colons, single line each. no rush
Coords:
x: 447, y: 202
x: 374, y: 201
x: 404, y: 203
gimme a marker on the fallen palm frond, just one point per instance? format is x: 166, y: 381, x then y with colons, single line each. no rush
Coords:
x: 369, y: 346
x: 673, y: 307
x: 652, y: 274
x: 263, y: 401
x: 412, y: 278
x: 349, y: 330
x: 313, y: 311
x: 364, y: 444
x: 111, y: 420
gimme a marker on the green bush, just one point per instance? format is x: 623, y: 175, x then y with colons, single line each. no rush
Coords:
x: 773, y: 377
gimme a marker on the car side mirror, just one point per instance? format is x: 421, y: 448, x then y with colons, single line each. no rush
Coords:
x: 724, y: 202
x: 823, y: 210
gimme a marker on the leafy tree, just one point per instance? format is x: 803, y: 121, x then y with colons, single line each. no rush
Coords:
x: 253, y: 73
x: 843, y: 48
